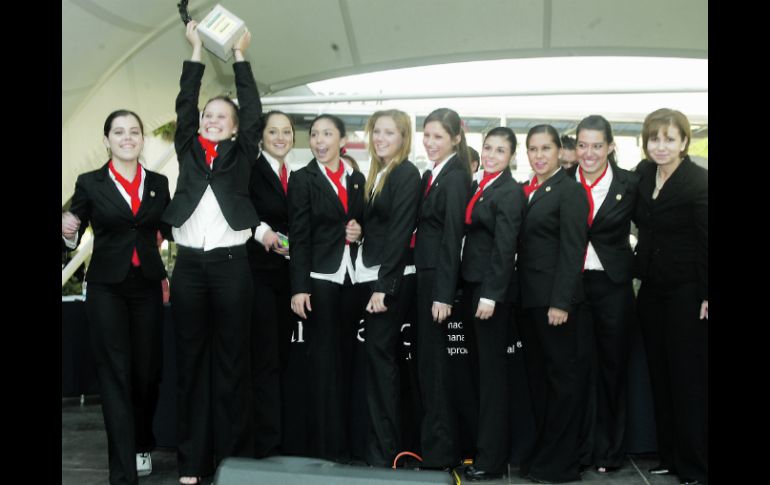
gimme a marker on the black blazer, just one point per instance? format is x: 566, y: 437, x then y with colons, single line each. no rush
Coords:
x: 271, y: 203
x: 612, y: 224
x: 116, y: 230
x: 552, y: 244
x: 389, y: 220
x: 673, y: 229
x: 229, y: 178
x: 490, y: 240
x: 317, y: 223
x: 441, y: 225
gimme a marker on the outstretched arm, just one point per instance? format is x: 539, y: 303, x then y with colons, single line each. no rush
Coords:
x: 195, y: 40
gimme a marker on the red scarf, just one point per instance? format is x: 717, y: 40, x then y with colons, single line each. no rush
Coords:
x: 210, y: 148
x: 341, y: 192
x: 531, y: 187
x: 588, y: 188
x: 484, y: 181
x: 132, y: 188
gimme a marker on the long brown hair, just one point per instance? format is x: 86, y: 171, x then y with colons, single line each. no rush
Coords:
x: 404, y: 125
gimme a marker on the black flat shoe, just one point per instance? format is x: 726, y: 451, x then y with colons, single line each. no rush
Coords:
x: 474, y: 474
x: 661, y: 470
x: 689, y: 481
x: 607, y: 469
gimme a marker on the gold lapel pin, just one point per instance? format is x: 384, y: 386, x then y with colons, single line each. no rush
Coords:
x: 548, y: 189
x: 152, y: 193
x: 618, y: 197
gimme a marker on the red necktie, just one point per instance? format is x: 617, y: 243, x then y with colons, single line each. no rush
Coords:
x: 430, y: 181
x: 484, y: 181
x: 284, y: 176
x: 531, y: 187
x: 588, y: 192
x: 132, y: 188
x: 210, y: 148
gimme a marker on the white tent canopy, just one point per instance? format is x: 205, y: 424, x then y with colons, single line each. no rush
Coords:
x: 118, y: 54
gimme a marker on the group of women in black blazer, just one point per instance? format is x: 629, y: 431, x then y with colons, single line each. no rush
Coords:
x: 557, y: 246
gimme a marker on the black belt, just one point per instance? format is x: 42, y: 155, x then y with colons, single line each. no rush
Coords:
x: 216, y: 254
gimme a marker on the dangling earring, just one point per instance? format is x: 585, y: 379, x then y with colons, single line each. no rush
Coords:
x: 109, y: 152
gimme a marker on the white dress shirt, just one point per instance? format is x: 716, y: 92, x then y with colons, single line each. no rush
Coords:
x: 599, y: 193
x: 207, y: 228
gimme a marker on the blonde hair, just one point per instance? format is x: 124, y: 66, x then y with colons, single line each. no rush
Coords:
x: 404, y: 126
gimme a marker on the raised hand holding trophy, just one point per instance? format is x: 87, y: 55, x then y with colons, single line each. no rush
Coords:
x: 219, y: 30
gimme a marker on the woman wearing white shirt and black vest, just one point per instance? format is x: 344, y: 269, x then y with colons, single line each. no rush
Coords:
x: 211, y: 292
x: 440, y: 228
x: 325, y: 204
x: 492, y: 220
x: 386, y: 269
x: 272, y: 318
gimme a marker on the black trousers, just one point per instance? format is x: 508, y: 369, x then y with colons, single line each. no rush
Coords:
x: 126, y: 330
x: 211, y: 295
x: 556, y: 377
x: 383, y: 381
x: 604, y: 337
x: 676, y: 341
x: 491, y: 339
x: 439, y: 438
x: 330, y: 335
x: 271, y: 326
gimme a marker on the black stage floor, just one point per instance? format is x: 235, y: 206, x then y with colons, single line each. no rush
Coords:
x: 84, y: 457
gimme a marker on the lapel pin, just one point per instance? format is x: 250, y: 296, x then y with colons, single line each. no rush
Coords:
x: 618, y: 197
x: 152, y: 193
x: 355, y: 186
x: 481, y: 198
x: 548, y: 189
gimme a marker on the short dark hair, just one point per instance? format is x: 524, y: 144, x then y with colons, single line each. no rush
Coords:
x: 568, y: 143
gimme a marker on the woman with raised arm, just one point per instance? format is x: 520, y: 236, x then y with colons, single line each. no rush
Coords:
x: 211, y: 292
